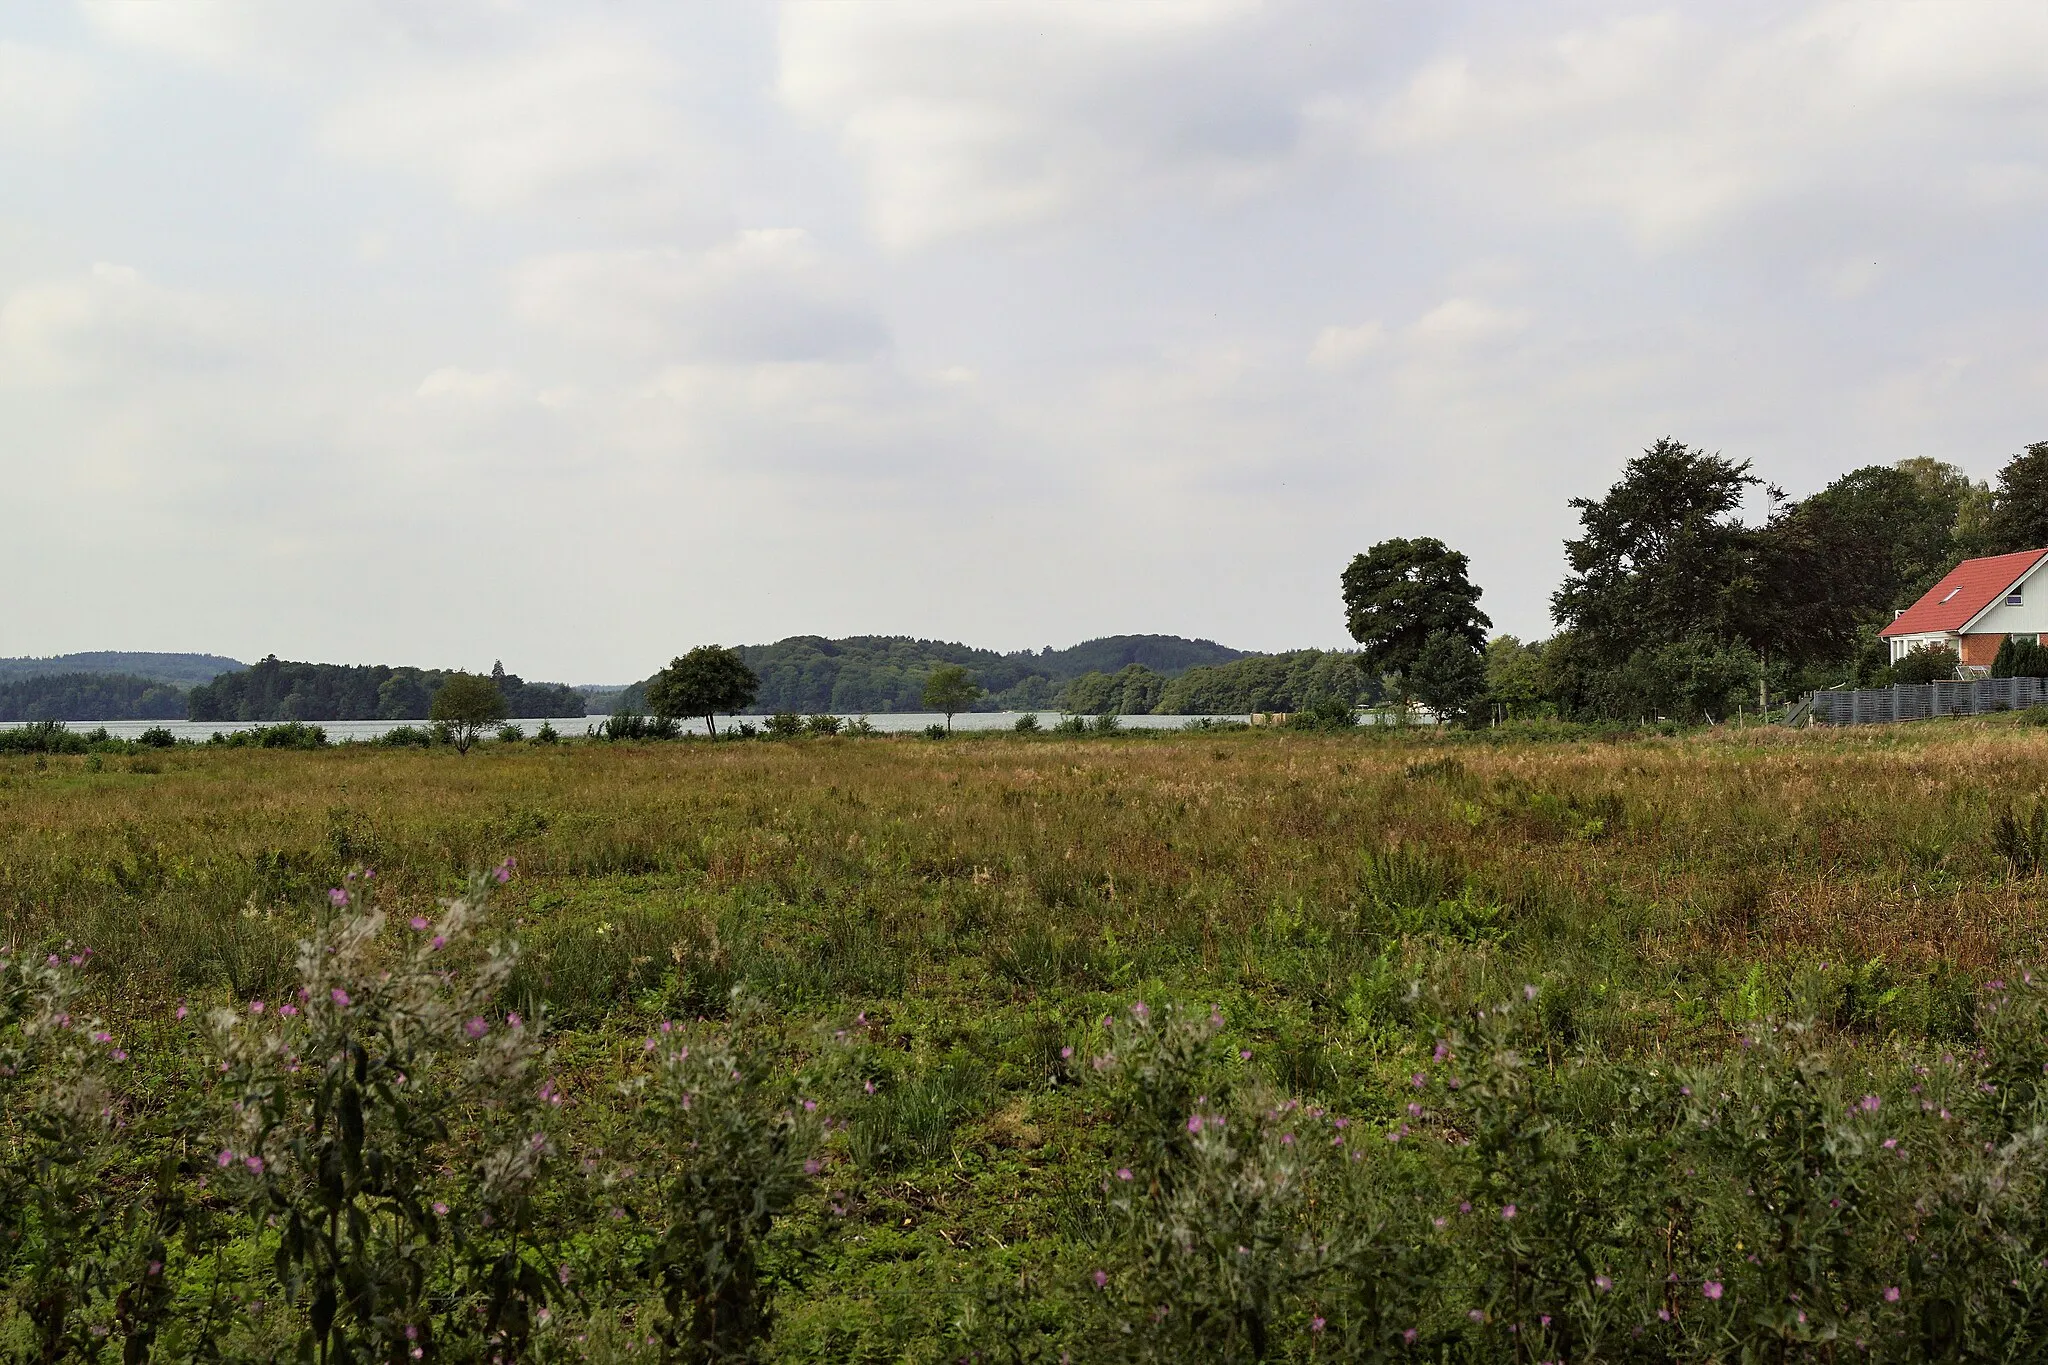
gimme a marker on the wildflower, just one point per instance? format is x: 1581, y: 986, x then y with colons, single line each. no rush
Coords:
x: 254, y: 1163
x: 1465, y: 1206
x: 1543, y: 1321
x: 337, y: 896
x: 1123, y: 1173
x: 1891, y: 1142
x: 1507, y: 1212
x: 1194, y: 1123
x: 440, y: 942
x: 1711, y: 1288
x: 504, y: 870
x: 810, y: 1106
x: 1869, y: 1104
x: 419, y: 923
x: 1663, y: 1315
x: 180, y: 1012
x: 562, y: 1273
x: 1476, y: 1315
x: 513, y: 1020
x: 440, y: 1208
x: 1408, y: 1337
x: 118, y: 1055
x: 1287, y: 1139
x: 1101, y: 1278
x: 339, y: 997
x: 255, y: 1007
x: 1528, y: 992
x: 226, y: 1158
x: 1315, y: 1325
x: 102, y: 1036
x: 1418, y: 1080
x: 1443, y: 1050
x: 812, y: 1165
x: 1414, y: 1111
x: 1140, y: 1011
x: 1602, y: 1283
x: 288, y: 1011
x: 1066, y: 1054
x: 1891, y: 1294
x: 868, y: 1086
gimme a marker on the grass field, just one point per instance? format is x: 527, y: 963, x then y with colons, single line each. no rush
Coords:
x: 970, y: 913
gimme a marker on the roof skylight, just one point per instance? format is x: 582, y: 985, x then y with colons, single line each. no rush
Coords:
x: 1951, y: 593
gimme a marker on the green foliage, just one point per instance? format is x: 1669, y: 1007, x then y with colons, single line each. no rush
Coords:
x: 510, y: 734
x: 1401, y: 592
x: 290, y: 735
x: 1925, y: 665
x: 887, y: 673
x: 627, y: 725
x: 1284, y: 683
x: 741, y: 1146
x: 178, y: 670
x: 949, y: 689
x: 89, y: 696
x: 407, y: 737
x: 936, y: 731
x: 466, y: 706
x: 2019, y: 519
x: 1688, y: 680
x: 157, y: 737
x: 1026, y: 724
x: 2020, y: 657
x: 277, y: 690
x: 708, y: 681
x: 785, y: 725
x: 547, y: 734
x: 1448, y: 675
x: 822, y: 724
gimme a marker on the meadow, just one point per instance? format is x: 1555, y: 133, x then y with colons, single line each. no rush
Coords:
x: 1234, y: 1046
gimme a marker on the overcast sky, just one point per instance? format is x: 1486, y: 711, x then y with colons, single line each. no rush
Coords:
x: 574, y: 335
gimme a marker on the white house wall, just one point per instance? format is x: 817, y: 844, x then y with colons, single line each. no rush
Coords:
x: 2028, y: 618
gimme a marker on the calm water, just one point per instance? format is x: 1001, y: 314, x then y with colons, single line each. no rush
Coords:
x: 893, y: 723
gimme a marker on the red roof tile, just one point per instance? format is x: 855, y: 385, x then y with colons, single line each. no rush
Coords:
x: 1969, y: 587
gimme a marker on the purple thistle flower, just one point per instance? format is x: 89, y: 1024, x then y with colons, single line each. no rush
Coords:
x: 1711, y: 1288
x: 477, y: 1028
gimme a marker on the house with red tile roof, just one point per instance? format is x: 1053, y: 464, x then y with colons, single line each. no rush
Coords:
x: 1975, y: 607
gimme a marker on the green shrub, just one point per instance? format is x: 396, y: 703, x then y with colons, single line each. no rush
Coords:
x: 821, y: 724
x: 1027, y: 724
x: 510, y: 734
x: 157, y: 737
x: 408, y: 737
x: 1926, y: 665
x: 785, y: 725
x: 936, y: 732
x: 547, y: 734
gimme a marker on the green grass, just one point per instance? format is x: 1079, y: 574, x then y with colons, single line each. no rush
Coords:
x: 981, y: 904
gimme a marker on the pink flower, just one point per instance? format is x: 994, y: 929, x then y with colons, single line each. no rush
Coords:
x: 1194, y: 1123
x: 101, y: 1036
x: 254, y: 1163
x: 1141, y: 1011
x: 1869, y: 1104
x: 440, y: 942
x: 1101, y: 1278
x: 514, y: 1020
x: 180, y: 1012
x: 418, y: 922
x: 1066, y: 1053
x: 337, y: 896
x: 1507, y: 1211
x: 1711, y: 1288
x: 1315, y: 1324
x: 339, y: 997
x: 225, y: 1159
x: 1602, y: 1283
x: 288, y: 1011
x: 1465, y: 1206
x: 119, y: 1055
x: 1245, y: 1055
x: 440, y: 1208
x: 477, y: 1028
x: 1891, y: 1295
x: 562, y: 1274
x: 255, y: 1007
x: 812, y: 1165
x: 1418, y: 1080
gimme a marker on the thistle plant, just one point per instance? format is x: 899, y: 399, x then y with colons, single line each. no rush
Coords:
x: 393, y: 1127
x: 736, y: 1147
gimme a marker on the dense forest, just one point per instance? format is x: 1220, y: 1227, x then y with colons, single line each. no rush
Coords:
x: 275, y: 690
x: 1298, y: 681
x: 184, y: 670
x: 882, y: 673
x: 89, y: 696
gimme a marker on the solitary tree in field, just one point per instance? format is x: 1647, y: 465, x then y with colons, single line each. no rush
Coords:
x: 467, y: 704
x: 708, y: 680
x: 950, y: 689
x: 1401, y: 592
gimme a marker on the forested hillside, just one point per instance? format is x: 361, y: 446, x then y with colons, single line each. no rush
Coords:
x: 89, y: 696
x: 277, y: 690
x: 879, y: 673
x: 1268, y: 682
x: 182, y: 669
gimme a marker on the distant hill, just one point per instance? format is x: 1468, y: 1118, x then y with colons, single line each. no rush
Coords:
x: 879, y: 673
x: 183, y: 670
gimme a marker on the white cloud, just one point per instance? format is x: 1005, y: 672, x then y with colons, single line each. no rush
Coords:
x: 41, y: 92
x: 1676, y: 123
x: 1339, y: 348
x: 591, y: 118
x: 764, y: 295
x: 108, y: 323
x: 966, y: 118
x: 452, y: 383
x: 1458, y: 323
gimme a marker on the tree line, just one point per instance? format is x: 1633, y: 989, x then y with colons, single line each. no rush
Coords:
x: 89, y: 696
x: 275, y: 690
x: 1675, y: 606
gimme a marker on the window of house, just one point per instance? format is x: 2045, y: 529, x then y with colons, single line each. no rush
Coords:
x: 2012, y: 599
